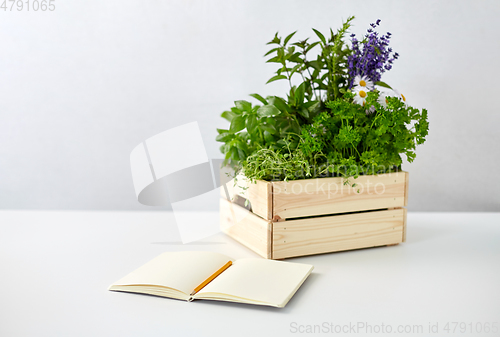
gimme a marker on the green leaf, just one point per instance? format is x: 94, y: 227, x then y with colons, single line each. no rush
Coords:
x: 304, y: 112
x: 383, y: 84
x: 241, y: 145
x: 237, y: 124
x: 299, y: 94
x: 222, y: 131
x: 296, y: 58
x: 321, y: 37
x: 271, y: 51
x: 234, y: 153
x: 275, y: 59
x: 251, y: 123
x: 311, y: 46
x: 315, y: 64
x: 268, y: 137
x: 294, y: 69
x: 281, y: 53
x: 243, y: 105
x: 268, y: 110
x: 284, y: 130
x: 227, y: 156
x: 312, y: 106
x: 276, y: 40
x: 288, y: 38
x: 268, y: 128
x: 241, y: 155
x: 228, y: 115
x: 223, y: 148
x: 236, y: 110
x: 277, y: 77
x: 224, y: 137
x: 260, y: 98
x: 386, y: 137
x: 270, y: 121
x: 279, y: 103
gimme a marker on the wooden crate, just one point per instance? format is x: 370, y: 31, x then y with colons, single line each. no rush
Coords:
x: 315, y: 216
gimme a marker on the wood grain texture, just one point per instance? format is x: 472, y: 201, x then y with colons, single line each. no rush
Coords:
x: 259, y: 194
x: 336, y: 233
x: 407, y: 187
x: 247, y: 228
x: 309, y: 197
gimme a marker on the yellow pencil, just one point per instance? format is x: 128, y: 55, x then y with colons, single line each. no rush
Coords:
x: 210, y: 279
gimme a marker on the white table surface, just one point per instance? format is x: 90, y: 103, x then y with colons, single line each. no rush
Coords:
x: 56, y: 267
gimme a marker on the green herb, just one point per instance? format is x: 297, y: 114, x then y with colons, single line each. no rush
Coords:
x: 319, y: 129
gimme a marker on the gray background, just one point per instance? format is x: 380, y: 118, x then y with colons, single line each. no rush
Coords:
x: 81, y: 86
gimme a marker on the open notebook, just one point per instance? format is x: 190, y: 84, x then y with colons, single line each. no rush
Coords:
x: 179, y: 274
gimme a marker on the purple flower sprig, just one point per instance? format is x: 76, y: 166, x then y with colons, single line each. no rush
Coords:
x: 370, y: 57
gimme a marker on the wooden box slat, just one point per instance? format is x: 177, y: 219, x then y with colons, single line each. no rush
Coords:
x: 407, y: 187
x: 310, y: 197
x: 337, y: 233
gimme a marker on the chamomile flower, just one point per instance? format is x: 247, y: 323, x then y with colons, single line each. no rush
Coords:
x: 364, y: 82
x: 360, y: 94
x: 382, y: 98
x: 384, y: 93
x: 399, y: 95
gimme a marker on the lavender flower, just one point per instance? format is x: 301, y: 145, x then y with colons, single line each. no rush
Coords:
x: 371, y: 57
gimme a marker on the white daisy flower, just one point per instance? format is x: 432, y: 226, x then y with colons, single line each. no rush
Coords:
x: 364, y: 82
x: 399, y: 95
x: 384, y: 93
x: 360, y: 94
x: 382, y: 98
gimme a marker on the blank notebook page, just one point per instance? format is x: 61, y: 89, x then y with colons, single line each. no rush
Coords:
x: 266, y: 281
x: 183, y: 271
